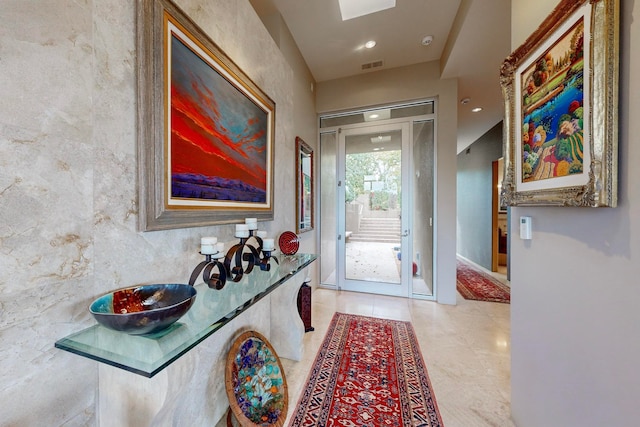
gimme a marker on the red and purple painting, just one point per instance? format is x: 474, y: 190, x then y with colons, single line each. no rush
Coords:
x: 220, y: 133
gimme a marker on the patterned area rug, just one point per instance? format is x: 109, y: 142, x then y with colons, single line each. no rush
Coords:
x: 476, y: 285
x: 368, y: 372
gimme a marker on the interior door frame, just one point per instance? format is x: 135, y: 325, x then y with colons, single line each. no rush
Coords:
x: 494, y: 216
x: 381, y: 288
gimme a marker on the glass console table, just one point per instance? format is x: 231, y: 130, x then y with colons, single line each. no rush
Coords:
x: 149, y: 354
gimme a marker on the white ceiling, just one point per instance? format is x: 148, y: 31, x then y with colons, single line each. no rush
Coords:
x: 471, y: 38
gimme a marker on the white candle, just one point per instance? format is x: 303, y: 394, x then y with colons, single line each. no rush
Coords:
x: 252, y: 223
x: 207, y: 245
x: 261, y: 234
x: 219, y: 250
x: 242, y: 230
x: 267, y: 244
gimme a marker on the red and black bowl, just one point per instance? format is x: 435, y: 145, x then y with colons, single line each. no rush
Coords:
x: 143, y: 309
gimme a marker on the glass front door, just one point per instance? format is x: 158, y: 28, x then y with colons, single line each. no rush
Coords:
x: 373, y: 223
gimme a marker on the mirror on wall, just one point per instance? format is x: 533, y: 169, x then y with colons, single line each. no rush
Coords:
x: 304, y: 186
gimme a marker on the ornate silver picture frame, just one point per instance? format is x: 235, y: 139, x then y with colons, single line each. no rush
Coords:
x: 561, y: 109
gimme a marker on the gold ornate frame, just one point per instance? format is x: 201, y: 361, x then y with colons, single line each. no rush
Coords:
x: 596, y: 184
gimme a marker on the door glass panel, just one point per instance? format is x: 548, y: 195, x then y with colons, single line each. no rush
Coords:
x: 373, y: 181
x: 423, y: 184
x: 328, y: 208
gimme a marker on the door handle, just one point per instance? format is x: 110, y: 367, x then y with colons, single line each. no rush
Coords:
x: 406, y: 233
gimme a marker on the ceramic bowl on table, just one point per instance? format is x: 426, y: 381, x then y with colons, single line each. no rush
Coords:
x: 289, y: 243
x: 143, y: 309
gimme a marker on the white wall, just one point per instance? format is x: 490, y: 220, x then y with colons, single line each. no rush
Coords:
x: 413, y: 82
x: 575, y: 292
x: 68, y: 194
x: 475, y: 197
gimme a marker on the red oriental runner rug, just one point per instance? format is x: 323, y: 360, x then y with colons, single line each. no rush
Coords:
x: 368, y: 372
x: 477, y: 285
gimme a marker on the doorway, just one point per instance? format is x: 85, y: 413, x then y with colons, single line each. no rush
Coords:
x: 499, y: 221
x: 377, y: 202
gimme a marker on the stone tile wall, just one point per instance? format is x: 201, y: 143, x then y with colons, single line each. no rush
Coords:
x: 68, y: 192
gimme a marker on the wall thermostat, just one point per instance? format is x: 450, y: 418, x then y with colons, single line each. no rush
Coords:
x: 525, y: 227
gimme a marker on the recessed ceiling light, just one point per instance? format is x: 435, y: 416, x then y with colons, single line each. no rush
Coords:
x: 370, y: 44
x: 350, y: 9
x: 465, y: 101
x: 477, y: 110
x: 427, y: 40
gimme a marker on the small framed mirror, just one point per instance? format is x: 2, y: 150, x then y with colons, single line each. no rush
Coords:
x: 304, y: 186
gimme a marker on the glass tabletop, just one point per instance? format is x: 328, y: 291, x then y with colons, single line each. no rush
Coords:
x: 149, y: 354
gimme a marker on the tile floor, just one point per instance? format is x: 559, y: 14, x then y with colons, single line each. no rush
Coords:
x: 465, y: 347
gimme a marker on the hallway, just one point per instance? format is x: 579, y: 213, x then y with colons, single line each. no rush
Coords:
x: 466, y: 349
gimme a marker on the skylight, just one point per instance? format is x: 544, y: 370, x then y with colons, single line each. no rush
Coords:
x: 354, y: 8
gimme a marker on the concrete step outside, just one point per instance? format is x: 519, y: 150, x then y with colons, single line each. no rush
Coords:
x: 376, y: 229
x: 377, y: 233
x: 354, y: 238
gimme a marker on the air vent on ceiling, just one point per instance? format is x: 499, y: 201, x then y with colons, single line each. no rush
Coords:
x: 371, y: 65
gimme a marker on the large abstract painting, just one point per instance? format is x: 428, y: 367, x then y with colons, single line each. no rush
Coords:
x: 207, y: 136
x: 218, y: 134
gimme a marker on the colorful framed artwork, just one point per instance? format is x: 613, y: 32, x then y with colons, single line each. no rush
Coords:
x: 205, y: 130
x: 255, y: 383
x: 561, y: 99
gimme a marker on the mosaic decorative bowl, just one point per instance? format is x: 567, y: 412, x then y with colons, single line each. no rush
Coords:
x: 255, y: 383
x: 144, y: 309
